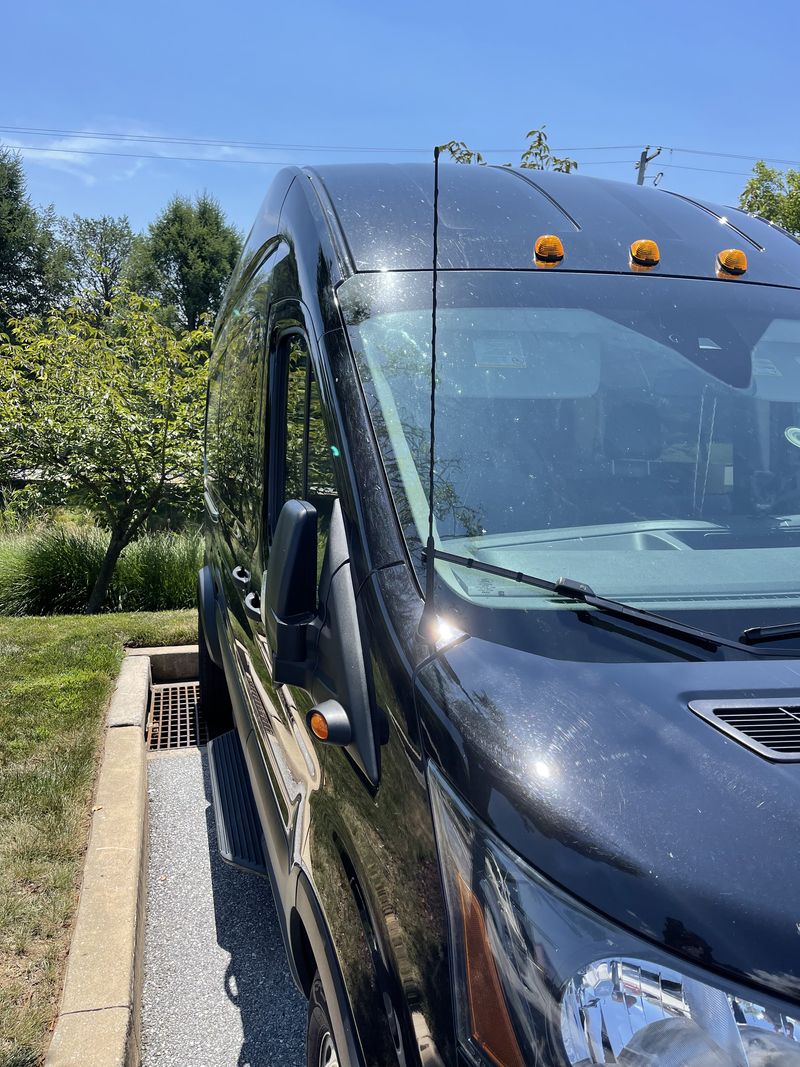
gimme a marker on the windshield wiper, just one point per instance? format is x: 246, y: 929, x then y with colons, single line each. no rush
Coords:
x: 583, y: 593
x: 757, y: 635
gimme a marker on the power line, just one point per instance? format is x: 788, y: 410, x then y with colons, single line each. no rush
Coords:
x: 731, y: 155
x: 209, y: 159
x: 208, y: 142
x: 39, y: 131
x: 266, y: 146
x: 586, y: 148
x: 273, y: 146
x: 709, y: 170
x: 152, y: 155
x: 294, y: 162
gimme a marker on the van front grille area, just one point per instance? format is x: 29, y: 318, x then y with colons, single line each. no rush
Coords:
x: 769, y: 727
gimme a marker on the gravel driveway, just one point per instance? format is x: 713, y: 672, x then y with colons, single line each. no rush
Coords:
x: 217, y: 990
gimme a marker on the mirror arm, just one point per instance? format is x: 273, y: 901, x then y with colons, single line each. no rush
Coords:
x: 291, y: 662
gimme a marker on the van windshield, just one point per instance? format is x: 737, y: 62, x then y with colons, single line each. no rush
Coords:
x: 639, y: 434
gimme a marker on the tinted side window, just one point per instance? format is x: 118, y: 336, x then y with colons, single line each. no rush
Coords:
x: 239, y: 449
x: 308, y: 462
x: 294, y: 441
x: 239, y: 417
x: 320, y: 478
x: 216, y: 365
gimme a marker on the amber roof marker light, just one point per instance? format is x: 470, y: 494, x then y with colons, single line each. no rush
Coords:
x: 548, y: 250
x: 645, y: 255
x: 731, y: 263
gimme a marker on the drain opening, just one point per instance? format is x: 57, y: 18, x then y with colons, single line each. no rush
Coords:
x: 175, y: 719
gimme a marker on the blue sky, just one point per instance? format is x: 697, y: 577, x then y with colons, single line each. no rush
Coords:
x: 714, y: 77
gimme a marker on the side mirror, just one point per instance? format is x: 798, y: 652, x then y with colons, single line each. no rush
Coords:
x: 289, y: 598
x: 320, y: 650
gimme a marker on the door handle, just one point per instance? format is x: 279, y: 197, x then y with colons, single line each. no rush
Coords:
x: 252, y: 606
x: 241, y: 576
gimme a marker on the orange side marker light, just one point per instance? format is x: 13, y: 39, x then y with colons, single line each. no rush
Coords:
x: 319, y: 725
x: 490, y: 1021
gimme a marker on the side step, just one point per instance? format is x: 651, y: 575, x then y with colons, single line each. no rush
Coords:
x: 239, y: 835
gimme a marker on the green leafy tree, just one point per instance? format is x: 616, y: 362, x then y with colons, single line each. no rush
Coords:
x: 537, y: 156
x: 96, y: 252
x: 773, y: 195
x: 32, y: 263
x: 460, y: 152
x: 186, y: 258
x: 112, y: 412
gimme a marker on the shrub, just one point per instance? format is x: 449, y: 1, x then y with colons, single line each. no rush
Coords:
x: 58, y: 566
x: 13, y: 586
x: 52, y: 570
x: 158, y: 572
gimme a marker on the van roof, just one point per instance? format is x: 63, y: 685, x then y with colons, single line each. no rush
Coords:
x: 489, y: 218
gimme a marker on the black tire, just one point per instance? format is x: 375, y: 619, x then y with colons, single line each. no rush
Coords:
x: 320, y: 1045
x: 215, y: 701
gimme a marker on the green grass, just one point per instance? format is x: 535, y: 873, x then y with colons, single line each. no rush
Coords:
x: 56, y: 675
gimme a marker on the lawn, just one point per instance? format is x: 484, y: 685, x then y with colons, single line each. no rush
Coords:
x: 56, y: 675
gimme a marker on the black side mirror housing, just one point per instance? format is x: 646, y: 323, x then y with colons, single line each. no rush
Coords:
x: 318, y: 647
x: 289, y: 598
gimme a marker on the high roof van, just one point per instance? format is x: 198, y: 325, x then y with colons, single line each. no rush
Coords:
x: 515, y: 734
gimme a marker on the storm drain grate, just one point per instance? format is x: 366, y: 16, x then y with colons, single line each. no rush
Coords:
x: 175, y: 720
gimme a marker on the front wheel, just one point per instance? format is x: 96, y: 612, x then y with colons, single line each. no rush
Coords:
x: 320, y: 1045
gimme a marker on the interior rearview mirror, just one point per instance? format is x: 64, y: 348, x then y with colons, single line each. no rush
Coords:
x: 289, y: 597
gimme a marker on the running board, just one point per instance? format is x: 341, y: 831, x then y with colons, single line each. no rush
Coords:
x: 239, y: 834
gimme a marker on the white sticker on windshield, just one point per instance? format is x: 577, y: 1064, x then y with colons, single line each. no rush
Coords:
x: 502, y: 351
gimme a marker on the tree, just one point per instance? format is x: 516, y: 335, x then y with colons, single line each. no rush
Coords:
x: 32, y: 275
x: 113, y: 412
x: 774, y: 196
x: 97, y: 253
x: 537, y: 156
x: 186, y: 258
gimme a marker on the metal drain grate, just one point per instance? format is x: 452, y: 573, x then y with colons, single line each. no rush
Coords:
x: 175, y: 720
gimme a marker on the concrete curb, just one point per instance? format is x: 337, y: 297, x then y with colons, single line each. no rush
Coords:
x: 99, y: 1019
x: 128, y: 705
x: 172, y: 663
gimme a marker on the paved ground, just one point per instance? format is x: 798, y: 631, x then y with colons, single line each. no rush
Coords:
x: 217, y: 991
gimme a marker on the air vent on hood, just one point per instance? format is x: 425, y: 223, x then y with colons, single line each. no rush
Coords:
x: 769, y: 727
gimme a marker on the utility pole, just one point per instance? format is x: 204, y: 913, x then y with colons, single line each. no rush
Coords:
x: 644, y: 159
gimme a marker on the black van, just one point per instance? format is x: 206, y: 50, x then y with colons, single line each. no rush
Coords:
x: 557, y: 819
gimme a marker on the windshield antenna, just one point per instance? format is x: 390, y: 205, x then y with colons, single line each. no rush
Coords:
x: 427, y: 622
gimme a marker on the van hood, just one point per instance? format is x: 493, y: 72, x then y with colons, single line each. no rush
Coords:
x: 603, y: 779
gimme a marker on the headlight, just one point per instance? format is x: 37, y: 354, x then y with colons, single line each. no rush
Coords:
x: 539, y: 979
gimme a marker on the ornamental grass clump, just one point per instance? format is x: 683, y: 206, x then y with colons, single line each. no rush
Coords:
x: 61, y: 565
x: 158, y: 572
x: 13, y: 556
x: 52, y: 570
